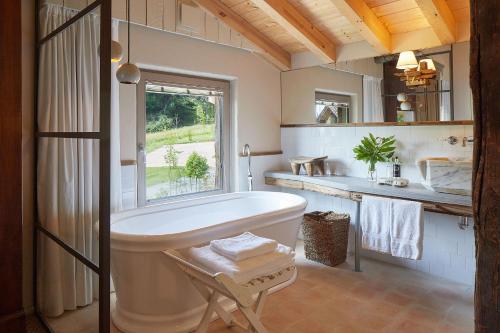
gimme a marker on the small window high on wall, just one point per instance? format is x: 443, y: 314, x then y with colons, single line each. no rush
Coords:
x: 183, y: 137
x: 332, y: 108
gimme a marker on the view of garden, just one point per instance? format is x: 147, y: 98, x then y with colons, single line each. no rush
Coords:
x: 180, y: 144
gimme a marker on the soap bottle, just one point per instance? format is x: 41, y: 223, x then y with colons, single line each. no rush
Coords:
x: 396, y: 168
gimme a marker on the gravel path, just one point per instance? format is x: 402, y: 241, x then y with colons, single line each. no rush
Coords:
x: 206, y: 149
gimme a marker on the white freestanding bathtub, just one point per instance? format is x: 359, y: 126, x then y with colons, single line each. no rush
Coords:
x: 152, y: 294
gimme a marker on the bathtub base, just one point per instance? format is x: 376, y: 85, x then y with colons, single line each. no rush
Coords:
x: 128, y: 322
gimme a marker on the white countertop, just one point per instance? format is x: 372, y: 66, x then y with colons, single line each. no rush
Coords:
x: 413, y: 191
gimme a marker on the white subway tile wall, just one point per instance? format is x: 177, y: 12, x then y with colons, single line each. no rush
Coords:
x: 449, y: 252
x: 413, y: 143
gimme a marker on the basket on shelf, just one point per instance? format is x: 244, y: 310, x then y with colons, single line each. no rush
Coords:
x: 325, y: 237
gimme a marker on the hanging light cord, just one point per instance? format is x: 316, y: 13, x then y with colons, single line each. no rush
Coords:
x: 128, y: 31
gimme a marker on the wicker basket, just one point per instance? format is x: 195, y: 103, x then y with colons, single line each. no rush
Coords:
x: 325, y: 237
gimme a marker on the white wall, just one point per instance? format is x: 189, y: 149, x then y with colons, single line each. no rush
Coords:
x: 255, y: 88
x: 448, y: 251
x: 298, y: 88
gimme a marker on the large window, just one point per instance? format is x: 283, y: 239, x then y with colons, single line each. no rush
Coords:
x: 183, y: 133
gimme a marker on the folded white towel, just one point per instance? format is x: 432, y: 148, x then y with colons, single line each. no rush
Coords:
x: 407, y: 229
x: 244, y: 246
x: 375, y: 222
x: 244, y: 270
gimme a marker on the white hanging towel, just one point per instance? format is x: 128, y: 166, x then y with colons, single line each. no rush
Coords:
x: 407, y: 229
x: 376, y: 224
x: 244, y: 246
x: 244, y: 270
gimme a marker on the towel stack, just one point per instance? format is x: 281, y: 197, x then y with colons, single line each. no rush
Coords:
x: 392, y: 226
x: 244, y: 257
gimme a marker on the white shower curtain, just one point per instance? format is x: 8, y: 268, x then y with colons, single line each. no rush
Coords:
x: 373, y: 110
x: 444, y: 101
x: 68, y: 169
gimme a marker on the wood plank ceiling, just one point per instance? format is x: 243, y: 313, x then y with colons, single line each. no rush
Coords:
x: 324, y: 26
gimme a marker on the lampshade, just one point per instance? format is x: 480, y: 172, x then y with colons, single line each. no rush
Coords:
x: 116, y: 51
x: 407, y: 60
x: 429, y: 63
x: 128, y: 73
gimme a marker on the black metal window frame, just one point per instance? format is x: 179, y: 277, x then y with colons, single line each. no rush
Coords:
x: 103, y: 137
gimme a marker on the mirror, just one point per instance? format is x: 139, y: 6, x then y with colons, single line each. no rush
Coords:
x: 435, y: 88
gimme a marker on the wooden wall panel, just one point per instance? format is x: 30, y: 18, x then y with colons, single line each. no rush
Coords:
x: 169, y: 15
x: 485, y: 84
x: 118, y: 9
x: 154, y: 13
x: 138, y: 10
x: 11, y: 307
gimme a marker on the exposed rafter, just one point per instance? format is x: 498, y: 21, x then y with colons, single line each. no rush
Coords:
x: 370, y: 27
x: 271, y: 50
x: 300, y: 27
x: 440, y: 18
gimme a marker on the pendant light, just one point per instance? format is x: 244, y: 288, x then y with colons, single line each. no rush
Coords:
x: 128, y: 73
x: 116, y: 51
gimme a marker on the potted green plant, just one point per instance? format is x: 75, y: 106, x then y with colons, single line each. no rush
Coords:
x: 374, y: 149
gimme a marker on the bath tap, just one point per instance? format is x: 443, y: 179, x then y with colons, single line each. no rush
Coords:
x: 247, y: 152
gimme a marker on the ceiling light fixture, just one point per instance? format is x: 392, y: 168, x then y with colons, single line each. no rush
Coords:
x: 416, y: 74
x: 116, y: 51
x: 128, y: 73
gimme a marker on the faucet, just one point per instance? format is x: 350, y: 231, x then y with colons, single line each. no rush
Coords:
x: 247, y: 152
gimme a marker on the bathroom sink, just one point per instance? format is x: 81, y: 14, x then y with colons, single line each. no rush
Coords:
x: 446, y: 175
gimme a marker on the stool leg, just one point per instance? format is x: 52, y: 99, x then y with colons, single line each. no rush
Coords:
x: 205, y: 292
x: 254, y: 321
x: 260, y: 302
x: 207, y: 316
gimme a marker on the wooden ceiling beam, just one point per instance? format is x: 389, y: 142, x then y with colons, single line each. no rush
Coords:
x: 300, y: 27
x: 440, y: 18
x: 272, y: 51
x: 368, y: 24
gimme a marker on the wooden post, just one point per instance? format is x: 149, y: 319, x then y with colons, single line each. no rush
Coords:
x: 485, y: 83
x: 11, y: 307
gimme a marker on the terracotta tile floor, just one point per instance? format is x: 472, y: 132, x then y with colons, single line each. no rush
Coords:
x: 382, y: 298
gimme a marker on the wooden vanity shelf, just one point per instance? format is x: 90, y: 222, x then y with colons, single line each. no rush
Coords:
x: 353, y: 189
x: 448, y: 208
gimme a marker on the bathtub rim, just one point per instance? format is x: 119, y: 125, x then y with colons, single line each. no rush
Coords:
x: 153, y: 243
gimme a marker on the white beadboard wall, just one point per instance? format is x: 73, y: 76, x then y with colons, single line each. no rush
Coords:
x: 448, y: 250
x: 173, y: 16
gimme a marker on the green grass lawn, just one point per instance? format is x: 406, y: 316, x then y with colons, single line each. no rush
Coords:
x: 187, y: 134
x: 157, y: 175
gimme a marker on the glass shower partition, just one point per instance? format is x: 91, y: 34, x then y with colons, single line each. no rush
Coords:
x: 72, y: 124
